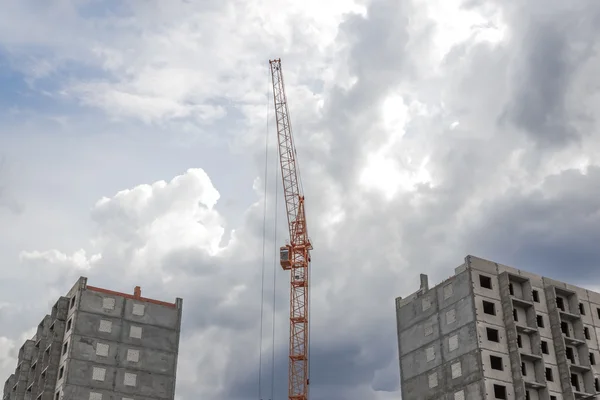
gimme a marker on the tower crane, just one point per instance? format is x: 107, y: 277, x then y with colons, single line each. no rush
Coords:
x: 295, y: 256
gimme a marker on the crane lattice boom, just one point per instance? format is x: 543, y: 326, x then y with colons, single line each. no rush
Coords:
x: 296, y: 255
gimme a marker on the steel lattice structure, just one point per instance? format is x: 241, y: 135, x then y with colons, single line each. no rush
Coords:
x: 296, y: 255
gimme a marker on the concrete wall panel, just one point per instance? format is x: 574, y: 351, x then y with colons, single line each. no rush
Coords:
x: 460, y: 286
x: 414, y: 336
x: 593, y: 297
x: 467, y: 342
x: 541, y: 305
x: 553, y: 385
x: 483, y: 265
x: 154, y: 314
x: 149, y: 360
x: 413, y: 312
x: 158, y: 386
x: 88, y: 325
x: 487, y: 318
x: 80, y: 373
x: 489, y: 389
x: 545, y: 332
x: 416, y: 363
x: 462, y: 311
x: 92, y: 302
x: 484, y: 343
x: 505, y: 375
x: 152, y: 337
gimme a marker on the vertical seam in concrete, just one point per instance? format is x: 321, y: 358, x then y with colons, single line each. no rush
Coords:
x: 476, y: 320
x: 399, y: 348
x: 511, y: 336
x: 559, y: 343
x: 179, y: 303
x: 441, y: 339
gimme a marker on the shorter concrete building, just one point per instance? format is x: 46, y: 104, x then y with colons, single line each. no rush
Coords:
x: 98, y: 344
x: 495, y: 332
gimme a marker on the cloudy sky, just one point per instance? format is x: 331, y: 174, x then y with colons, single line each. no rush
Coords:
x: 132, y: 151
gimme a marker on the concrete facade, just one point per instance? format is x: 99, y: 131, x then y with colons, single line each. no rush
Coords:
x: 100, y: 345
x: 495, y: 332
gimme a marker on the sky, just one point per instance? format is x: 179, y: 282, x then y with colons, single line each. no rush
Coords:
x: 138, y: 147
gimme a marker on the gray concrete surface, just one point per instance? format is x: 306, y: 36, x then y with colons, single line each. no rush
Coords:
x: 100, y: 345
x: 496, y: 332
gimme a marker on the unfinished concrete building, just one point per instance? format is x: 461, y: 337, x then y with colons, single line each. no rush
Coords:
x: 496, y: 332
x: 99, y: 344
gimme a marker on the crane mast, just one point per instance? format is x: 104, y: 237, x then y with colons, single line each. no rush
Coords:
x: 294, y: 256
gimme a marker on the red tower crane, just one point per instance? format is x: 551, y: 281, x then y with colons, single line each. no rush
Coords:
x: 295, y: 256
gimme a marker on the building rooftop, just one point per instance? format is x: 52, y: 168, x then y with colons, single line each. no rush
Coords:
x: 137, y: 295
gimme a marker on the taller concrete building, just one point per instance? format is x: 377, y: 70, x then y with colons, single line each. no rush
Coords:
x: 496, y: 332
x: 98, y: 344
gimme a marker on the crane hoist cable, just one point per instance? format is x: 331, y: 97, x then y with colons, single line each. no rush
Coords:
x: 263, y: 264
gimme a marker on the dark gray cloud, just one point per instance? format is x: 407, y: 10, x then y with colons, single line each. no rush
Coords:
x: 551, y: 42
x: 553, y: 230
x: 477, y: 202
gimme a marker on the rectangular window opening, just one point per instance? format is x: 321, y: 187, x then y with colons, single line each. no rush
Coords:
x: 575, y: 381
x: 485, y: 281
x: 523, y: 369
x: 581, y: 309
x: 65, y: 347
x: 570, y: 355
x: 540, y: 321
x: 492, y: 335
x: 500, y: 392
x: 545, y: 347
x: 549, y: 375
x: 496, y: 363
x: 564, y: 327
x: 535, y: 295
x: 519, y: 341
x: 515, y: 315
x: 560, y: 303
x: 592, y: 359
x: 61, y: 372
x: 586, y: 332
x: 489, y: 308
x: 511, y: 289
